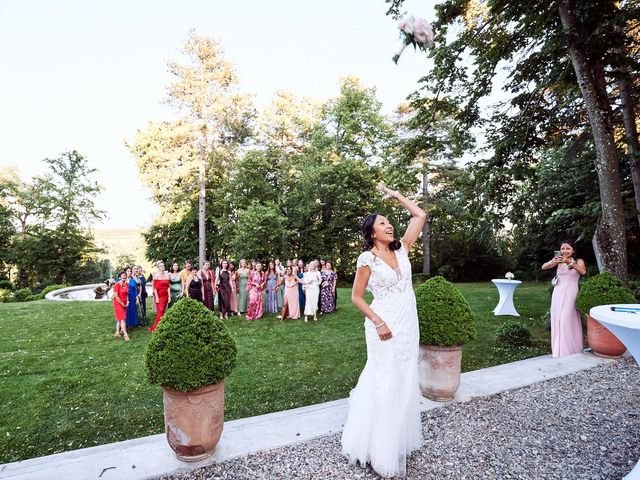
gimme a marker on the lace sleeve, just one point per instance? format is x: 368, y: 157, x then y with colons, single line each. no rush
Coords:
x: 365, y: 259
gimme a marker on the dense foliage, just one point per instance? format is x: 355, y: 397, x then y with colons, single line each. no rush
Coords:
x: 602, y: 289
x: 443, y: 313
x: 191, y: 348
x: 45, y: 236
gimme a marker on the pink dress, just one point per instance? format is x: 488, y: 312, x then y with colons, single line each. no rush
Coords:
x: 234, y: 292
x: 255, y: 287
x: 291, y: 298
x: 566, y: 326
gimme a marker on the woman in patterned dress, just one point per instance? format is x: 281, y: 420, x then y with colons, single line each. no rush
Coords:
x: 243, y: 291
x: 208, y: 285
x: 327, y: 300
x: 233, y: 280
x: 256, y: 286
x: 271, y: 300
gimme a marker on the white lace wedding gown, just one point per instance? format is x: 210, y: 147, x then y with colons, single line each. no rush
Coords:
x: 383, y: 425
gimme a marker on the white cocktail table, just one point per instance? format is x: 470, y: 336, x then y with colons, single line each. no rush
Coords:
x: 505, y: 304
x: 625, y: 326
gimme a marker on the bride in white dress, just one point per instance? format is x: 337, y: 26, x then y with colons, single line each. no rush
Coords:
x: 383, y: 425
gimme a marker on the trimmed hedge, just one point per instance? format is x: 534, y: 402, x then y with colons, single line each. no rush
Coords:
x: 6, y: 285
x: 602, y: 289
x: 444, y: 315
x: 191, y: 348
x: 22, y: 295
x: 513, y: 334
x: 51, y: 288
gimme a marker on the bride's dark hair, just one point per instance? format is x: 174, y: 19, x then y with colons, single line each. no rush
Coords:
x: 367, y: 234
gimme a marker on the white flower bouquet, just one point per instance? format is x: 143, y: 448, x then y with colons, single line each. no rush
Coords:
x: 509, y: 276
x: 416, y: 32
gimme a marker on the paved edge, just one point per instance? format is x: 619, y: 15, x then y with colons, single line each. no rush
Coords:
x: 150, y: 457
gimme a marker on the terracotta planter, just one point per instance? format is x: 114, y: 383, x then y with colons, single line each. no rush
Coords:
x: 194, y: 421
x: 439, y: 371
x: 602, y: 342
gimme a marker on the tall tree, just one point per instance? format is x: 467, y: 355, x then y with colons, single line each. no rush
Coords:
x: 205, y: 90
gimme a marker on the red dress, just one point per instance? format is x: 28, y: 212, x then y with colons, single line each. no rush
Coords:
x: 161, y: 288
x: 121, y: 292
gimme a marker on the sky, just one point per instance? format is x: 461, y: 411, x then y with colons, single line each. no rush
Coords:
x: 86, y: 75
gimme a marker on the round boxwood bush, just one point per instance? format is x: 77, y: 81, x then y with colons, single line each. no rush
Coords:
x: 513, y: 334
x: 6, y: 284
x: 191, y: 348
x: 602, y: 289
x: 22, y: 295
x: 443, y: 313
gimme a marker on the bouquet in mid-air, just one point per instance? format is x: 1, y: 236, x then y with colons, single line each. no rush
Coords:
x: 414, y: 31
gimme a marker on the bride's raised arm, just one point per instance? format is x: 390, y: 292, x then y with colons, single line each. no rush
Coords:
x: 418, y: 216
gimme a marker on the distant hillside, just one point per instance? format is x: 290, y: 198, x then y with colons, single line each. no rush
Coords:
x: 119, y: 243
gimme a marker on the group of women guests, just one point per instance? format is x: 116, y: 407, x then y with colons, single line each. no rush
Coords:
x: 293, y: 289
x: 130, y: 300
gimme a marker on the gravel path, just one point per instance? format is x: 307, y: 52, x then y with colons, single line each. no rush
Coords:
x: 582, y: 426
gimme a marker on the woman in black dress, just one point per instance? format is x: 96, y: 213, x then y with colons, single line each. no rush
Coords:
x: 224, y: 290
x: 194, y: 285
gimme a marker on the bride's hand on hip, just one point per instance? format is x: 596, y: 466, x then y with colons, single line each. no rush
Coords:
x: 384, y: 333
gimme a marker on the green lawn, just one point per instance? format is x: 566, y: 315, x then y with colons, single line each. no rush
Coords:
x: 66, y: 383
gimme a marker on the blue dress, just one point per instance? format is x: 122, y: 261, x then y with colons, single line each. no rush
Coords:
x: 301, y: 296
x: 132, y: 309
x: 271, y: 301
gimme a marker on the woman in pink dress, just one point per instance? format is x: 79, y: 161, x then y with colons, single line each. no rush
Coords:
x: 255, y: 286
x: 233, y: 280
x: 291, y: 306
x: 566, y: 326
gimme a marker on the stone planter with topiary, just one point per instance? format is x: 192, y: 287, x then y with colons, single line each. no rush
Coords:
x: 602, y: 289
x: 446, y: 324
x: 190, y: 355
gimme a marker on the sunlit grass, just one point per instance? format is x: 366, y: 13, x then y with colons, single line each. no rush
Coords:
x: 66, y: 383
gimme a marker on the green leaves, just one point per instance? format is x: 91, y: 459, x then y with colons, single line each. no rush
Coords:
x: 602, y: 289
x: 443, y: 313
x: 191, y: 348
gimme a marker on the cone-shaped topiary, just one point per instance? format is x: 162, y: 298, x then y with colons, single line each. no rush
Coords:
x: 444, y: 315
x: 191, y: 348
x: 602, y: 289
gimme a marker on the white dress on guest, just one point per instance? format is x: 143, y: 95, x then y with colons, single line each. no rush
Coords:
x: 383, y: 425
x: 312, y: 291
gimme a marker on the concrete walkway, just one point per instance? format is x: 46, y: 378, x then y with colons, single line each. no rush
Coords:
x: 150, y: 457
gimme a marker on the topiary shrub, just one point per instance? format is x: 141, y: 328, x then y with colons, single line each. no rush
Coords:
x: 190, y: 349
x: 634, y: 286
x: 51, y: 288
x: 6, y: 296
x: 602, y: 289
x: 513, y: 334
x: 6, y: 284
x: 22, y: 295
x: 444, y: 315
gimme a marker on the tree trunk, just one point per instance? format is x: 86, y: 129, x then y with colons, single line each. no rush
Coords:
x: 201, y: 207
x: 631, y: 132
x: 426, y: 247
x: 610, y: 232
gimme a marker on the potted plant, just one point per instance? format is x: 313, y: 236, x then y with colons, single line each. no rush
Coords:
x: 190, y: 355
x: 446, y: 324
x: 602, y: 289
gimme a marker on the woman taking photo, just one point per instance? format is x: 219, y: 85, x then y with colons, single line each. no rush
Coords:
x: 383, y: 425
x: 566, y: 326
